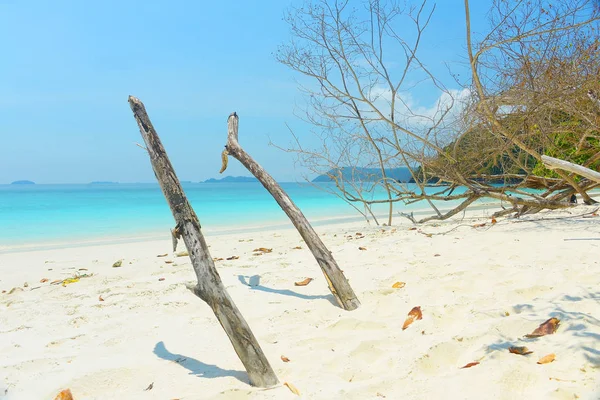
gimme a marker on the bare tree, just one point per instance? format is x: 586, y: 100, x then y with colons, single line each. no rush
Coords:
x: 362, y: 66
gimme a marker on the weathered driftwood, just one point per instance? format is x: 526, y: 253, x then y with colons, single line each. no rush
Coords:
x: 555, y: 163
x: 209, y: 287
x: 338, y: 284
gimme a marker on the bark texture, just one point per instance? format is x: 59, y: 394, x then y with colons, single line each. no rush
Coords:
x: 209, y: 287
x: 338, y: 284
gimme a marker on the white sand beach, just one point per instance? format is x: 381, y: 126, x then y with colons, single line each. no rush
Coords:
x: 115, y: 332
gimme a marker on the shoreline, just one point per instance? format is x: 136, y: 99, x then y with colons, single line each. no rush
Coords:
x: 114, y: 331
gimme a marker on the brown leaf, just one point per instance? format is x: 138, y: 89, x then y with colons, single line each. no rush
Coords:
x: 304, y: 282
x: 285, y: 359
x: 358, y: 234
x: 546, y: 328
x: 233, y: 258
x: 163, y: 255
x: 412, y: 229
x: 436, y: 255
x: 547, y: 359
x: 263, y: 250
x: 398, y: 285
x: 471, y: 364
x: 362, y: 248
x: 380, y: 395
x: 479, y: 225
x: 64, y: 395
x: 150, y: 386
x: 494, y: 220
x: 292, y: 388
x: 43, y: 280
x: 414, y: 314
x: 182, y: 254
x: 100, y: 298
x: 161, y: 279
x: 297, y: 248
x: 523, y: 351
x: 168, y: 261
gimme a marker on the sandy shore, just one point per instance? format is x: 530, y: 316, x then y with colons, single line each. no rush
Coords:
x: 481, y: 289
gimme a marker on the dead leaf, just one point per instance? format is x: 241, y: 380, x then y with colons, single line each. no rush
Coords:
x: 150, y: 386
x: 547, y: 359
x: 398, y: 285
x: 297, y: 248
x: 362, y: 248
x: 494, y: 220
x: 522, y: 350
x: 436, y: 255
x: 56, y: 282
x: 292, y: 388
x: 546, y: 328
x: 64, y: 395
x: 285, y: 359
x: 304, y: 282
x: 218, y: 259
x: 414, y: 314
x: 471, y: 364
x: 43, y: 280
x: 358, y: 234
x: 182, y: 254
x: 163, y: 255
x: 161, y: 279
x: 100, y: 298
x: 380, y: 395
x: 233, y: 258
x: 412, y: 229
x: 263, y: 250
x: 168, y: 261
x: 117, y: 264
x: 479, y: 225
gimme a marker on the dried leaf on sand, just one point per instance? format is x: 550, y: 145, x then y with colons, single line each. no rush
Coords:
x: 304, y: 282
x: 521, y: 350
x: 471, y: 364
x: 398, y: 285
x: 263, y: 250
x: 414, y: 314
x: 292, y: 388
x: 64, y: 395
x: 233, y: 258
x: 362, y: 248
x: 285, y: 359
x: 547, y: 359
x: 546, y: 328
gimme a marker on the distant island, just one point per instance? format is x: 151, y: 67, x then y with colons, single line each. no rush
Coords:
x: 103, y: 183
x: 23, y: 183
x: 231, y: 179
x: 401, y: 174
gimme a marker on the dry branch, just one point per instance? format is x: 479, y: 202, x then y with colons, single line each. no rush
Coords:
x: 555, y: 163
x: 338, y: 284
x: 209, y: 287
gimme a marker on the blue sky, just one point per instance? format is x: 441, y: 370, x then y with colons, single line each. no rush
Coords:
x: 68, y: 66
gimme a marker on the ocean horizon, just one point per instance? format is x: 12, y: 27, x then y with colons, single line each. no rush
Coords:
x: 34, y: 216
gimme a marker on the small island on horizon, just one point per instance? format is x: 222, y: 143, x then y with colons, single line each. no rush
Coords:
x: 23, y: 182
x: 232, y: 179
x: 103, y: 183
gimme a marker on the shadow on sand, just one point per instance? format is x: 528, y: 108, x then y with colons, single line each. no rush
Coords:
x: 196, y: 367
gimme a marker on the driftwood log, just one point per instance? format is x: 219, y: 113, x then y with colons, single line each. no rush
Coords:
x: 209, y: 287
x: 556, y: 163
x: 338, y: 284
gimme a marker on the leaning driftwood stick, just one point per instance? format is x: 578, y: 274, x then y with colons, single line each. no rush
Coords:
x: 555, y: 163
x: 209, y: 287
x: 338, y: 284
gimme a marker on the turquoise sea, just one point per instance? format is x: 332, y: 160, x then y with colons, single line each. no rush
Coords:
x: 31, y: 215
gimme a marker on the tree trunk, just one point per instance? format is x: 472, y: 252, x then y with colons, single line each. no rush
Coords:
x: 209, y: 287
x: 338, y: 284
x: 555, y: 163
